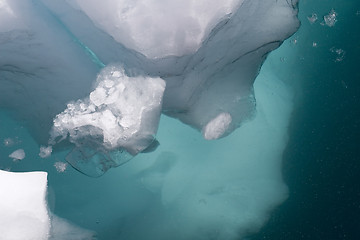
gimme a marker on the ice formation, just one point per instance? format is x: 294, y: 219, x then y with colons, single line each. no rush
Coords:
x: 208, y: 61
x: 118, y: 120
x: 24, y: 210
x: 92, y: 78
x: 23, y: 206
x: 130, y: 23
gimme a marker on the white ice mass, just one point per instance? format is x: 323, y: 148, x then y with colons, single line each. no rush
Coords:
x: 24, y: 211
x: 92, y: 78
x: 23, y: 206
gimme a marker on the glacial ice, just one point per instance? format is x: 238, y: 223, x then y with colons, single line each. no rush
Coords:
x: 92, y: 78
x: 158, y: 22
x: 24, y: 210
x: 23, y: 206
x: 51, y: 56
x: 120, y: 116
x: 45, y: 151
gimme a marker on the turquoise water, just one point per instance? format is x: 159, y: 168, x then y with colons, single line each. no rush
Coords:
x: 321, y: 162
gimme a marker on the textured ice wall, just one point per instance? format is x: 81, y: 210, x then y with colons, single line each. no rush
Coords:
x: 53, y: 51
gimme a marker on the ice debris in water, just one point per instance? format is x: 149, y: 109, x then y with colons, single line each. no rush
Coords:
x: 60, y: 166
x: 120, y: 116
x: 313, y: 18
x: 45, y: 151
x: 122, y: 112
x: 330, y: 19
x: 18, y: 155
x: 339, y: 53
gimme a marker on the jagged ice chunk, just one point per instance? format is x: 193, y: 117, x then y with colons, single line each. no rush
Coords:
x: 122, y: 113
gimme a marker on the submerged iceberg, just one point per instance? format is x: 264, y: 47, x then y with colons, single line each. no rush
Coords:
x: 52, y: 52
x: 92, y: 79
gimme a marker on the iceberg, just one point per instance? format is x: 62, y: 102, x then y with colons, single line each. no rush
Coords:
x: 170, y: 82
x: 53, y: 52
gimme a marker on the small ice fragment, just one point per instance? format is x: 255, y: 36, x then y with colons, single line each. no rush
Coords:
x: 60, y: 166
x: 330, y: 19
x: 8, y: 142
x: 314, y: 44
x: 45, y: 151
x: 18, y: 155
x: 313, y: 18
